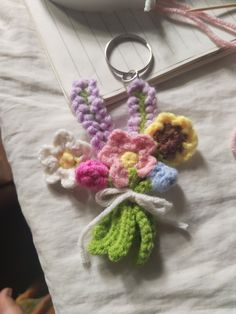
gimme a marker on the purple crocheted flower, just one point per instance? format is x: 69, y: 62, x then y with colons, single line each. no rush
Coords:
x: 142, y: 105
x: 91, y: 112
x: 92, y: 174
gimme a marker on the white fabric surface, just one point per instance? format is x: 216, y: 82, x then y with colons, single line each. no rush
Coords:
x: 184, y: 275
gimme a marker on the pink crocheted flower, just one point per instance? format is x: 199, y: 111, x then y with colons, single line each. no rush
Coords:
x: 92, y: 174
x: 123, y: 152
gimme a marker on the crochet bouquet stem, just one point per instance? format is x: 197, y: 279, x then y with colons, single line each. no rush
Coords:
x: 127, y: 225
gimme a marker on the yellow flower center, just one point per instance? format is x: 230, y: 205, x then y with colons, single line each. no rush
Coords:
x: 68, y: 160
x: 129, y: 159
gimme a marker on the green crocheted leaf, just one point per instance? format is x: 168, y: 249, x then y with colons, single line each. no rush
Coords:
x: 121, y: 246
x: 127, y: 225
x: 100, y: 246
x: 133, y: 178
x: 147, y: 235
x: 143, y: 187
x: 101, y: 229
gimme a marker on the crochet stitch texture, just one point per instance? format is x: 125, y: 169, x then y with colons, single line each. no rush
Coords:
x: 123, y: 152
x: 124, y: 168
x: 175, y: 137
x: 92, y: 174
x: 90, y: 110
x: 134, y: 162
x: 60, y: 159
x: 142, y: 104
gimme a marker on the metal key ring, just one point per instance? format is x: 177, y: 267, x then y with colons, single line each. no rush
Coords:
x: 132, y: 74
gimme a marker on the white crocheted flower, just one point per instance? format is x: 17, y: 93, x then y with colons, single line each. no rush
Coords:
x: 60, y: 159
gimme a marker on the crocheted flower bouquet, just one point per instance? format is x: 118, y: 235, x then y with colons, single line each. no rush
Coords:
x: 125, y: 168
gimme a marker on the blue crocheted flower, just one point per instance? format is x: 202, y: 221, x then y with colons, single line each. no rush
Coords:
x: 162, y: 178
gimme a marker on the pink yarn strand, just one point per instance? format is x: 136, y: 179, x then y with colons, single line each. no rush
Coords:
x: 231, y: 27
x: 175, y: 8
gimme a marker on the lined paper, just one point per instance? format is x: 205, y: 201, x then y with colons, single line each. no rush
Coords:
x: 75, y: 43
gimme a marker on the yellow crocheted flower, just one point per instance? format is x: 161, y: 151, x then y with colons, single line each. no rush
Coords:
x: 175, y: 137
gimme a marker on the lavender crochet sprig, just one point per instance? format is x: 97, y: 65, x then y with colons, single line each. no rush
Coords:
x: 142, y: 104
x: 89, y: 109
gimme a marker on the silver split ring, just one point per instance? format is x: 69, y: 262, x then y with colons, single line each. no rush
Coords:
x: 132, y: 74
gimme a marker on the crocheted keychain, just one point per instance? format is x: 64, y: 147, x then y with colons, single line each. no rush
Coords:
x: 126, y: 169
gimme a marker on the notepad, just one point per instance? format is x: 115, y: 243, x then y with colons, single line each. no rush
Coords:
x: 75, y: 42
